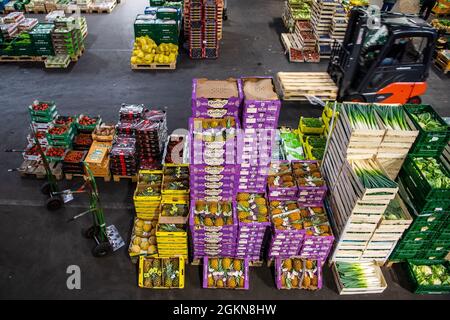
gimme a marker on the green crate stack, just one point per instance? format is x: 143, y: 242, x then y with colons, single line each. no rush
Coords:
x: 161, y: 31
x: 41, y: 36
x: 428, y: 237
x: 43, y: 116
x: 6, y: 48
x: 431, y: 141
x: 22, y: 45
x: 67, y: 41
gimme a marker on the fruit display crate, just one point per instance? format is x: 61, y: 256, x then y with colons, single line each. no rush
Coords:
x: 298, y: 273
x: 225, y: 273
x: 143, y: 239
x: 172, y: 240
x: 147, y: 196
x: 161, y: 273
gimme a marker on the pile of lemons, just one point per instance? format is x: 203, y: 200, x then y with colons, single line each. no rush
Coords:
x: 146, y: 51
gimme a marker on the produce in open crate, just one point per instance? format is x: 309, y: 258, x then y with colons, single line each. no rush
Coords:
x: 103, y: 132
x: 291, y: 144
x: 173, y: 212
x: 64, y: 120
x: 434, y: 172
x: 86, y: 123
x: 143, y: 238
x: 429, y: 277
x: 213, y: 213
x: 310, y: 182
x: 175, y: 179
x: 161, y: 273
x: 358, y: 277
x: 280, y: 181
x: 225, y: 273
x: 55, y: 153
x: 298, y: 273
x: 252, y: 208
x: 311, y: 125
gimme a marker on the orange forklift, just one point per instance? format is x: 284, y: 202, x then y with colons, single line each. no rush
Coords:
x: 383, y: 59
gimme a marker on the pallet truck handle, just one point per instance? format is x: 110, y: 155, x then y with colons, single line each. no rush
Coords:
x: 14, y: 150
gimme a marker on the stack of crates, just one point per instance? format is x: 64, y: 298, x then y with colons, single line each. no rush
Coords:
x: 203, y: 28
x: 171, y: 232
x: 67, y: 39
x: 429, y: 235
x: 41, y: 37
x: 147, y: 196
x: 23, y: 45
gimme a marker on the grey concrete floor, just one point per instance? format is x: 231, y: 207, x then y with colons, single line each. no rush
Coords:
x: 37, y: 246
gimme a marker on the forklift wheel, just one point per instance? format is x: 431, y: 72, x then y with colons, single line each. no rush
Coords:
x: 46, y: 188
x: 354, y: 98
x: 101, y: 250
x: 414, y: 100
x: 53, y: 203
x: 91, y: 232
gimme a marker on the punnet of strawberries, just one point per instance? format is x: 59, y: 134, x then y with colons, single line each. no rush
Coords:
x: 40, y: 106
x: 55, y: 152
x: 57, y: 130
x: 87, y: 121
x: 74, y: 156
x: 64, y: 120
x: 33, y: 151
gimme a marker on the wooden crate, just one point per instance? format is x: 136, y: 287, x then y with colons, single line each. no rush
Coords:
x: 93, y: 8
x: 442, y: 62
x: 346, y: 291
x: 297, y: 85
x: 392, y: 164
x: 292, y: 47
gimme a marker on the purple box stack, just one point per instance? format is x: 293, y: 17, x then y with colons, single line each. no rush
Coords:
x: 213, y: 167
x: 213, y: 237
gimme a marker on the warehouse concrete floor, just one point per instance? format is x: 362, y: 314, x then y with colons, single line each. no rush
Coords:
x: 38, y: 246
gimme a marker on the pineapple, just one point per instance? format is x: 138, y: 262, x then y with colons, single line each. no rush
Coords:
x: 297, y: 265
x: 297, y: 226
x: 210, y: 281
x: 283, y: 280
x: 262, y: 209
x: 314, y: 281
x: 309, y: 264
x: 200, y: 205
x: 292, y: 206
x: 229, y: 221
x: 226, y: 263
x: 243, y: 215
x: 208, y: 222
x: 241, y: 282
x: 156, y: 280
x: 231, y: 282
x: 260, y: 201
x: 294, y: 282
x: 225, y: 206
x: 147, y: 265
x: 306, y: 281
x: 156, y: 264
x: 213, y: 207
x: 219, y: 283
x: 277, y: 222
x: 287, y: 264
x: 219, y: 222
x: 262, y: 218
x: 214, y: 264
x: 274, y: 204
x: 244, y: 204
x: 294, y: 216
x: 148, y: 283
x: 176, y: 264
x: 276, y: 211
x: 243, y: 196
x: 237, y: 265
x: 167, y: 282
x: 197, y: 220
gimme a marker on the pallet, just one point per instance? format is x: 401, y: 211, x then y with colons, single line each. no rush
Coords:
x: 36, y: 11
x: 296, y: 85
x: 117, y: 178
x: 70, y: 176
x: 29, y: 168
x: 107, y: 10
x: 155, y: 66
x: 441, y: 64
x: 21, y: 58
x: 57, y: 62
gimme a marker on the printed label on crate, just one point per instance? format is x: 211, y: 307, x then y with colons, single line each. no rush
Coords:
x: 219, y: 113
x: 217, y: 103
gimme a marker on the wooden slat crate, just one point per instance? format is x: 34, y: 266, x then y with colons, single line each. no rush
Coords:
x: 292, y: 47
x: 297, y: 85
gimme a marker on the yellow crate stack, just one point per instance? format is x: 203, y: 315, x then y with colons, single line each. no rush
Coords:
x: 171, y: 231
x: 147, y: 196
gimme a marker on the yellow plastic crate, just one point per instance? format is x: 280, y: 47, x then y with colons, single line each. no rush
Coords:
x: 140, y: 199
x: 147, y: 216
x: 173, y: 235
x: 171, y: 245
x: 174, y: 192
x: 309, y: 130
x: 142, y: 276
x: 143, y: 172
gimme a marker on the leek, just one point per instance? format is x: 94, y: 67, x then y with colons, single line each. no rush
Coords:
x: 361, y: 116
x: 358, y: 275
x: 371, y: 176
x: 393, y: 117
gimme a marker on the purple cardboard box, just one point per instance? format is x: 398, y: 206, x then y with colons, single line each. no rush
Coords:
x: 199, y: 169
x: 279, y: 273
x: 199, y: 179
x: 208, y: 107
x: 211, y: 273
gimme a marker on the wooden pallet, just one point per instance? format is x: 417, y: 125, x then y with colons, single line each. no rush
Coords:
x: 296, y: 85
x: 36, y: 11
x: 21, y: 58
x: 256, y: 263
x: 155, y: 66
x: 33, y: 168
x: 117, y: 178
x: 111, y: 7
x: 70, y: 176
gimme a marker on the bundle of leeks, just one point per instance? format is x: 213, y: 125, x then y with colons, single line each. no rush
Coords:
x: 358, y: 274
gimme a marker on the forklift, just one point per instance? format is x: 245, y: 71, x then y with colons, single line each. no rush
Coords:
x: 383, y: 58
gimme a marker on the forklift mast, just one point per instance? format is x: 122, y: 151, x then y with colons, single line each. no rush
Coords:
x: 370, y: 64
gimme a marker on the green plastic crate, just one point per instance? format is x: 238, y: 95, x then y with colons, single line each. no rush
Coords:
x: 417, y: 182
x: 427, y: 289
x: 419, y: 235
x: 428, y: 143
x: 156, y: 3
x: 48, y: 113
x: 406, y: 254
